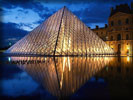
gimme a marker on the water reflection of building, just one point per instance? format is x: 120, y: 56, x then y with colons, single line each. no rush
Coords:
x: 118, y: 68
x: 119, y: 77
x: 119, y: 32
x: 61, y: 76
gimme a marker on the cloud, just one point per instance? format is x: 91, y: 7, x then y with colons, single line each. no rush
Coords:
x: 11, y: 39
x: 26, y: 4
x: 36, y: 12
x: 21, y: 25
x: 32, y: 4
x: 44, y: 11
x: 62, y: 1
x: 97, y: 1
x: 94, y: 14
x: 10, y: 33
x: 1, y: 9
x: 38, y: 22
x: 22, y: 10
x: 11, y: 29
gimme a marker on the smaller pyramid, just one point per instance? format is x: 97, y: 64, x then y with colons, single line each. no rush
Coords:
x: 61, y: 34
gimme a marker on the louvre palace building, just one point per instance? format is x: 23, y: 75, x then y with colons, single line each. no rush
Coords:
x: 118, y: 34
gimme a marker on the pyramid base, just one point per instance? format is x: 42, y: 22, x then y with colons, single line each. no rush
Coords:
x: 39, y: 55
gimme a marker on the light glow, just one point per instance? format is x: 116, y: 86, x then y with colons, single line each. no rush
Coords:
x: 128, y: 58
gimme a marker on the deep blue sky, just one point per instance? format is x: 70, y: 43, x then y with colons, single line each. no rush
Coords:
x: 18, y: 17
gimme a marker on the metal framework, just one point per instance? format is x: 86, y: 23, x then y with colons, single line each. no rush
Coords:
x: 61, y: 34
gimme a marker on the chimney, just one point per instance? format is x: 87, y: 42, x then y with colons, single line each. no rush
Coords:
x: 131, y: 5
x: 106, y: 25
x: 117, y: 6
x: 97, y: 26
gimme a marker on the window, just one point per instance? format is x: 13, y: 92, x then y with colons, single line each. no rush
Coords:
x: 119, y: 22
x: 112, y: 23
x: 127, y: 21
x: 119, y: 37
x: 111, y: 38
x: 106, y: 37
x: 126, y: 28
x: 127, y: 37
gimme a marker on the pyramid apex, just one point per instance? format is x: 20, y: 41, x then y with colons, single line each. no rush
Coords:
x: 64, y: 7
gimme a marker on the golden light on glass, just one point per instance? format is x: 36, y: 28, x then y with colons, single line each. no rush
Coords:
x: 128, y: 59
x: 61, y: 34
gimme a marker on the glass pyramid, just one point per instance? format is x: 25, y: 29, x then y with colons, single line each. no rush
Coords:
x: 61, y: 34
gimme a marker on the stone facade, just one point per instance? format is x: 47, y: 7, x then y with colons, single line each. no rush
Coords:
x: 119, y: 32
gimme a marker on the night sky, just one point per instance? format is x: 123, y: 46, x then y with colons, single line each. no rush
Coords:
x: 18, y: 17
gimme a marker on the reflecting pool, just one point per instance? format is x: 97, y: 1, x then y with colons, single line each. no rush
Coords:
x: 71, y: 78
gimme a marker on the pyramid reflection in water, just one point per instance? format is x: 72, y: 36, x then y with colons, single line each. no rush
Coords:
x: 61, y: 34
x: 61, y: 76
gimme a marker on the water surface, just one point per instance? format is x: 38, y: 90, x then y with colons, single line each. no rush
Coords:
x: 51, y: 78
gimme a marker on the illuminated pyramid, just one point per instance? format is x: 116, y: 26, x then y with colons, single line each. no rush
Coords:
x: 61, y: 34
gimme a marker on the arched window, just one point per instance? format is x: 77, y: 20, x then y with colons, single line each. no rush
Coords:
x: 127, y: 21
x: 119, y: 22
x: 111, y: 38
x: 127, y: 37
x: 119, y: 37
x: 112, y: 23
